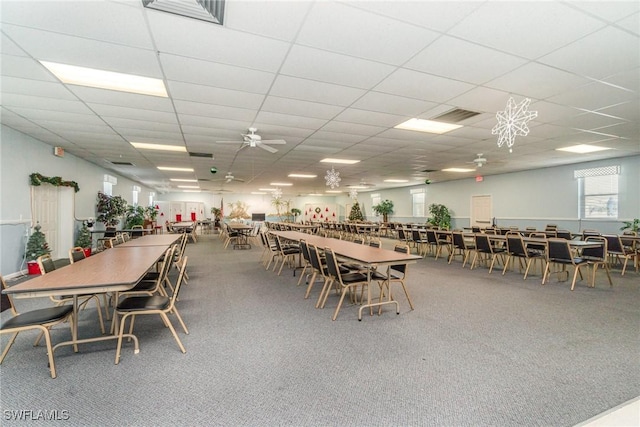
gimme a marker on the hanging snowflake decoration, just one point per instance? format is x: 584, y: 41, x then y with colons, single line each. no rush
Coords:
x: 277, y: 193
x: 353, y: 193
x: 512, y: 122
x: 333, y: 178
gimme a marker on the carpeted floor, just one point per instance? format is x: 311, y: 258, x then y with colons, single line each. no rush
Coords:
x: 478, y: 350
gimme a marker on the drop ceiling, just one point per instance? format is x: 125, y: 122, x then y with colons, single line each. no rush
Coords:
x: 330, y: 78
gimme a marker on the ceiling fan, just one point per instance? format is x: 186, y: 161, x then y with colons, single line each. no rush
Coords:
x: 479, y: 161
x: 361, y: 185
x: 252, y: 139
x: 229, y: 177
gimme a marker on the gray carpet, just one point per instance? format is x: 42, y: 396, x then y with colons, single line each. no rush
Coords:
x: 479, y: 350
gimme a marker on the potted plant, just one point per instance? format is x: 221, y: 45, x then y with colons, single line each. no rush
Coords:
x: 134, y: 216
x: 36, y: 246
x: 631, y: 225
x: 150, y: 215
x: 110, y: 209
x: 384, y: 208
x: 84, y: 239
x: 295, y: 212
x: 440, y: 216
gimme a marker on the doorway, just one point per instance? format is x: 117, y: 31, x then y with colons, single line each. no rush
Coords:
x: 481, y: 211
x: 52, y: 207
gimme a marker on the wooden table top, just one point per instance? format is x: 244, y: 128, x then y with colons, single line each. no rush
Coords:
x: 151, y: 240
x: 240, y: 226
x: 108, y: 271
x: 363, y: 253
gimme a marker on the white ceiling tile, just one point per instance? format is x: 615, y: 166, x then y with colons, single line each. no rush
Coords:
x: 214, y: 74
x: 352, y: 128
x: 57, y: 116
x: 481, y: 100
x: 9, y: 47
x: 594, y: 96
x: 528, y: 29
x: 83, y: 52
x: 423, y: 86
x: 362, y: 36
x: 44, y: 89
x: 124, y: 99
x: 393, y: 104
x: 134, y: 113
x: 288, y: 120
x: 458, y: 59
x: 614, y: 49
x: 373, y: 118
x: 292, y: 87
x: 537, y: 81
x: 217, y: 111
x: 301, y: 108
x: 319, y: 65
x: 214, y: 95
x: 603, y: 9
x: 249, y: 16
x: 25, y: 68
x: 632, y: 23
x: 192, y: 38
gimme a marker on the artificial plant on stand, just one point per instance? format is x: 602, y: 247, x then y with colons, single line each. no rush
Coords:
x: 440, y: 216
x: 110, y: 209
x: 84, y: 239
x: 36, y: 246
x: 384, y: 208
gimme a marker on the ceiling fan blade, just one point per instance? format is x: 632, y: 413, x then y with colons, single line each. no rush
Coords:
x: 274, y: 141
x: 266, y: 147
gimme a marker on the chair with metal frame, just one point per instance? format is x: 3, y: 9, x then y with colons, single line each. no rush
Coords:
x: 460, y: 248
x: 597, y: 257
x: 617, y: 251
x: 484, y: 248
x: 396, y: 273
x: 516, y: 249
x: 42, y: 319
x: 46, y: 264
x: 559, y: 252
x: 346, y: 282
x: 286, y: 253
x: 153, y: 304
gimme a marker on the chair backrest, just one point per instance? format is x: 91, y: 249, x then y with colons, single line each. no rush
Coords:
x: 46, y: 264
x: 76, y: 254
x: 458, y: 240
x: 563, y: 234
x: 599, y: 253
x: 110, y: 232
x: 628, y: 242
x: 109, y: 243
x: 314, y: 258
x: 482, y: 243
x: 614, y: 244
x: 559, y: 250
x: 415, y: 235
x: 304, y: 249
x: 401, y: 234
x: 515, y: 245
x: 375, y: 243
x: 137, y: 231
x: 491, y: 231
x: 550, y: 227
x: 432, y: 238
x: 359, y: 240
x: 402, y: 268
x: 586, y: 233
x: 475, y: 229
x: 179, y: 280
x: 7, y: 300
x: 332, y: 264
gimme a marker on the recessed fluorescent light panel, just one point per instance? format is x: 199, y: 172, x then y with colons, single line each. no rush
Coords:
x: 458, y: 170
x: 583, y: 149
x: 333, y: 191
x: 301, y: 175
x: 258, y: 192
x: 182, y: 180
x: 340, y: 161
x: 188, y: 186
x: 396, y: 180
x: 281, y: 184
x: 267, y: 189
x: 161, y: 147
x: 429, y: 126
x: 106, y: 79
x: 168, y: 168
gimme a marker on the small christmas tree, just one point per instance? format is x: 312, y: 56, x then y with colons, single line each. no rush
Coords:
x: 84, y: 237
x: 356, y: 213
x: 37, y: 244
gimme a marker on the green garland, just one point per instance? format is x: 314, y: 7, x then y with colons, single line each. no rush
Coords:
x: 37, y: 179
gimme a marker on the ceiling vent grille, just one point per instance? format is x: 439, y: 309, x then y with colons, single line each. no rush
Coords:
x: 429, y: 170
x: 121, y: 163
x: 203, y: 155
x: 205, y: 10
x: 456, y: 115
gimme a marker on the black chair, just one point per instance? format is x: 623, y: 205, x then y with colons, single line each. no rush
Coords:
x: 617, y: 250
x: 460, y: 248
x: 154, y: 304
x: 516, y: 249
x: 42, y: 320
x: 286, y: 253
x: 484, y: 248
x: 318, y: 267
x: 346, y: 282
x: 559, y: 252
x: 396, y: 273
x: 597, y: 257
x: 419, y: 242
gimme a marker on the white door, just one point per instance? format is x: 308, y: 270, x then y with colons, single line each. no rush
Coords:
x: 53, y: 210
x: 481, y: 211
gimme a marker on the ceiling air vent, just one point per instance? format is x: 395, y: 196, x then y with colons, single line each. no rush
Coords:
x: 429, y: 170
x: 456, y: 115
x: 205, y: 10
x: 203, y: 179
x: 203, y: 155
x: 121, y: 163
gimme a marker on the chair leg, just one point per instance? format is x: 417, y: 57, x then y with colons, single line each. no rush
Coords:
x: 8, y: 346
x: 184, y: 327
x: 335, y: 314
x: 173, y: 331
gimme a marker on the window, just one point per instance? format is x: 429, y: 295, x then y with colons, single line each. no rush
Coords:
x: 152, y: 195
x: 375, y: 199
x: 107, y: 184
x: 418, y: 199
x: 598, y: 192
x: 135, y: 192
